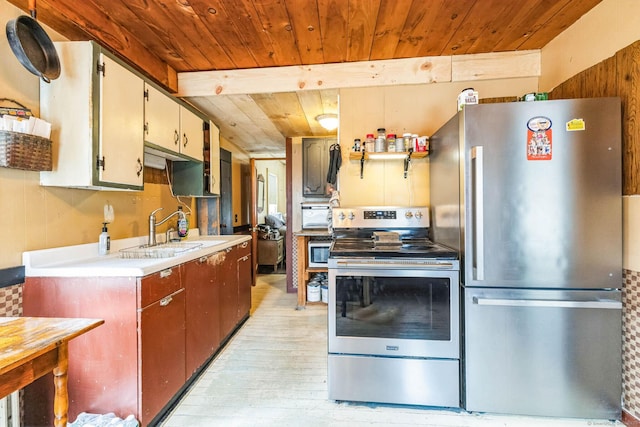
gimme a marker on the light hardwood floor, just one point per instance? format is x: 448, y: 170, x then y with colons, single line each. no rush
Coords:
x: 273, y: 373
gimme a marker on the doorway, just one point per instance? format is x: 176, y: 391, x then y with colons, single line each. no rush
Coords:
x: 270, y: 210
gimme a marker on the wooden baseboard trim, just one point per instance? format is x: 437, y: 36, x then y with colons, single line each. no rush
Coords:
x: 629, y: 420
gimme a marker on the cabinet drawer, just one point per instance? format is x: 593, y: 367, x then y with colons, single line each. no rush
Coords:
x: 243, y: 249
x: 159, y: 285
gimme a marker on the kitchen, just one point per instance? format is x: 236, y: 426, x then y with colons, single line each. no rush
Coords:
x: 83, y: 211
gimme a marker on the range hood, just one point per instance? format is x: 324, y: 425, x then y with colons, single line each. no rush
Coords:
x: 156, y: 158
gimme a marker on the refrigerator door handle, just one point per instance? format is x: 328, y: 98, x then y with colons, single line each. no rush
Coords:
x: 506, y: 302
x: 478, y: 212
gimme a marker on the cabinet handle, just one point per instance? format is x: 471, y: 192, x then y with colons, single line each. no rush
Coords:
x: 166, y: 273
x: 186, y: 139
x: 245, y: 258
x: 166, y: 301
x: 229, y: 250
x: 140, y: 167
x: 176, y: 137
x: 244, y: 244
x: 203, y: 259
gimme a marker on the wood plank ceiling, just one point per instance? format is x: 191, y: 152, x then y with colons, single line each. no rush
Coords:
x: 162, y: 38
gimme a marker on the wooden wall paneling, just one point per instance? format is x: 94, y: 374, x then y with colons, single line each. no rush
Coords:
x: 615, y: 76
x: 628, y: 75
x: 156, y: 176
x: 497, y: 100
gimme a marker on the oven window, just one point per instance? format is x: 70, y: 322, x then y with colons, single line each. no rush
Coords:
x: 393, y: 307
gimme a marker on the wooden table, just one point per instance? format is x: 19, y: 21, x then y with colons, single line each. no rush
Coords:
x: 31, y: 347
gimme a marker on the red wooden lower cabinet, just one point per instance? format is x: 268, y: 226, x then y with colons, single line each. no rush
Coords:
x: 244, y: 267
x: 203, y: 314
x: 158, y: 331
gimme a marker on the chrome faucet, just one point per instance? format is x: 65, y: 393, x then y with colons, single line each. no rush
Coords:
x: 152, y: 224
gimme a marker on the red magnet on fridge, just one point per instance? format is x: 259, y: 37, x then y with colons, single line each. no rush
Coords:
x: 539, y: 138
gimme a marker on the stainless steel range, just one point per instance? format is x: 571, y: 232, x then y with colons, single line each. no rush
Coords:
x: 393, y: 309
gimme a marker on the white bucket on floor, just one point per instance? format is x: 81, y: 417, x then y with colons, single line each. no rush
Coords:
x: 324, y: 292
x: 313, y: 292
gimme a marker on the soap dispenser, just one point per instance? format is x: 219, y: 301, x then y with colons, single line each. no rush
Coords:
x: 104, y: 242
x: 183, y: 225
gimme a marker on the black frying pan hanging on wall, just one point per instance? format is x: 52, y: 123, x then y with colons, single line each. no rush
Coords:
x: 32, y: 46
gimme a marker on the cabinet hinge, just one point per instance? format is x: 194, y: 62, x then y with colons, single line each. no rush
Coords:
x: 101, y: 68
x: 99, y: 162
x: 146, y: 94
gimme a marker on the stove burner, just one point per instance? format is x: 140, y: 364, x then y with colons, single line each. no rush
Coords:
x: 422, y: 248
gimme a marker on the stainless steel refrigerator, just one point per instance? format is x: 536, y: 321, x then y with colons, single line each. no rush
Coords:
x: 530, y: 193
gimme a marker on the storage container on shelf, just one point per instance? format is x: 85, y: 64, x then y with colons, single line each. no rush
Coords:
x: 381, y: 141
x: 370, y: 143
x: 406, y: 140
x: 391, y: 142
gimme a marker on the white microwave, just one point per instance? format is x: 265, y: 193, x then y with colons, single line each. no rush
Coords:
x: 318, y: 252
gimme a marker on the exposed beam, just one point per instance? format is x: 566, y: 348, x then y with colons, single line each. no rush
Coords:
x: 489, y: 66
x: 361, y: 74
x: 314, y: 77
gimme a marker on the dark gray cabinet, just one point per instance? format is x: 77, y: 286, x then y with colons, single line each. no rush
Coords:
x: 315, y: 163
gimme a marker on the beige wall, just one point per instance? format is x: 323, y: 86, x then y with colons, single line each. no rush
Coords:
x: 38, y: 217
x: 420, y: 109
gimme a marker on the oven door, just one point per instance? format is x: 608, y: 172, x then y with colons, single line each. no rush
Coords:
x: 394, y: 310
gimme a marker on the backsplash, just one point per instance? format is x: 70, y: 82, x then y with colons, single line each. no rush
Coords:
x: 11, y: 301
x: 631, y: 342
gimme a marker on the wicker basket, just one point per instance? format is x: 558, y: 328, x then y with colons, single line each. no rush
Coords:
x: 24, y: 151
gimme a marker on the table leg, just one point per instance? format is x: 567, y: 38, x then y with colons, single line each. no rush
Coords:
x: 61, y: 398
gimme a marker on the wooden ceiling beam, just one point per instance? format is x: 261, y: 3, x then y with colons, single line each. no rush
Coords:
x: 361, y: 74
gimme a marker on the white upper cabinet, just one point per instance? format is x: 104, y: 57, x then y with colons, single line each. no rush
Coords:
x: 171, y: 130
x: 96, y: 111
x: 161, y: 119
x: 191, y: 134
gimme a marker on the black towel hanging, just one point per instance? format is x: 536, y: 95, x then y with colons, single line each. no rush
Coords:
x: 335, y: 161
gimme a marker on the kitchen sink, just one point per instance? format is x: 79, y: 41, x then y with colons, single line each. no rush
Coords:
x: 161, y: 250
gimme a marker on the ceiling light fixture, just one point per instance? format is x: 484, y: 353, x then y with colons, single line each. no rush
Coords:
x: 328, y: 121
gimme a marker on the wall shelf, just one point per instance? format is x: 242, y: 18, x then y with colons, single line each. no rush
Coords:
x: 357, y: 155
x: 406, y: 156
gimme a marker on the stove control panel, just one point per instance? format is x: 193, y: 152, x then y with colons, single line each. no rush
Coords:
x: 381, y: 217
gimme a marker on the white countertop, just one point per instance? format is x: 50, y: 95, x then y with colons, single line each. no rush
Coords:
x: 84, y: 261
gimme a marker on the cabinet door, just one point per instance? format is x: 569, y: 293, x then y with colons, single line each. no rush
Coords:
x: 161, y: 119
x: 203, y: 313
x: 315, y: 155
x: 191, y: 134
x: 121, y: 142
x: 244, y: 267
x: 228, y: 292
x: 162, y: 355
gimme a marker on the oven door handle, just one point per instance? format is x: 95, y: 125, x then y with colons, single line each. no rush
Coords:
x: 395, y: 266
x: 478, y: 212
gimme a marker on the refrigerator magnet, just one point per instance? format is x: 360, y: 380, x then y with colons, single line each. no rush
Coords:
x: 575, y: 124
x: 539, y: 138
